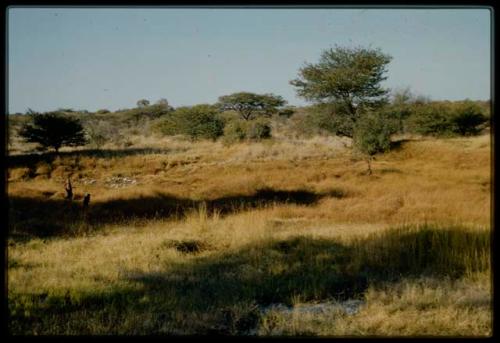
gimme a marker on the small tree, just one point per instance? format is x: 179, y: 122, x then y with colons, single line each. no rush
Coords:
x: 142, y: 103
x: 248, y: 104
x: 372, y: 135
x: 350, y: 78
x: 52, y: 130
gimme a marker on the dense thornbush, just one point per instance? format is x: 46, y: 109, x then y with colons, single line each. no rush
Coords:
x: 432, y: 119
x: 200, y: 121
x: 467, y: 119
x: 252, y: 130
x: 329, y: 118
x: 259, y: 129
x: 447, y: 119
x: 235, y: 131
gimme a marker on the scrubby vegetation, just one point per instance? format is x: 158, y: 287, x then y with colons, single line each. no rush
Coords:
x: 200, y: 121
x: 245, y: 217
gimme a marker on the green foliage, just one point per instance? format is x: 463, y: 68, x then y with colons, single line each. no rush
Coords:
x: 372, y: 134
x: 163, y: 103
x: 235, y: 131
x: 239, y: 130
x: 53, y: 130
x: 433, y: 119
x: 331, y: 118
x: 250, y: 104
x: 347, y: 76
x: 142, y: 103
x: 103, y: 111
x: 100, y: 132
x: 259, y: 129
x: 287, y: 112
x: 401, y: 107
x: 448, y: 119
x: 200, y: 121
x: 468, y: 119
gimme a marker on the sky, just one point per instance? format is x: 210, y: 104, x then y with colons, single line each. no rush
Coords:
x: 108, y: 58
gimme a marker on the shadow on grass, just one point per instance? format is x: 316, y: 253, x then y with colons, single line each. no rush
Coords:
x: 30, y: 160
x: 223, y: 292
x: 51, y: 217
x: 398, y: 145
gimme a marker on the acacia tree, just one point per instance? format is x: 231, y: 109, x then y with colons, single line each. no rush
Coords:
x: 52, y: 130
x: 248, y: 104
x: 347, y: 78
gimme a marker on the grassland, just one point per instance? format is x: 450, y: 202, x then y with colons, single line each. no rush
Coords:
x: 205, y: 238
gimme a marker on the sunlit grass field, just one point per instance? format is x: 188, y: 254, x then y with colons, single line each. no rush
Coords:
x: 204, y: 238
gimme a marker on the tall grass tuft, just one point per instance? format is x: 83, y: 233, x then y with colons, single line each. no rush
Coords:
x: 424, y: 249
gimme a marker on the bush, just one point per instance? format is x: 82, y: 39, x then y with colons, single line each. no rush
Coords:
x: 103, y: 111
x: 101, y: 132
x: 286, y: 112
x: 329, y: 118
x: 448, y: 119
x: 432, y: 119
x: 259, y: 129
x: 467, y: 119
x: 200, y: 121
x: 235, y: 131
x: 239, y: 130
x: 372, y: 135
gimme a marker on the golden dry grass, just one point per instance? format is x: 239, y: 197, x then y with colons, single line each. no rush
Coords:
x: 425, y: 180
x: 445, y: 182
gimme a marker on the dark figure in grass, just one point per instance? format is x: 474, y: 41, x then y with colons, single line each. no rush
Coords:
x: 69, y: 190
x: 86, y: 201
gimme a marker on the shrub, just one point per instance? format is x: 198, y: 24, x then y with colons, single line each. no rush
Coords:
x: 103, y: 111
x: 101, y: 132
x: 239, y: 130
x: 467, y: 119
x: 432, y: 119
x: 448, y: 119
x: 235, y: 131
x: 372, y: 135
x: 330, y: 118
x: 259, y: 129
x: 286, y: 112
x: 200, y: 121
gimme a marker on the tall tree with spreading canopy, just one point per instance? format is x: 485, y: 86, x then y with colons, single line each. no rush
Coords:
x: 349, y: 79
x: 249, y: 104
x: 53, y: 130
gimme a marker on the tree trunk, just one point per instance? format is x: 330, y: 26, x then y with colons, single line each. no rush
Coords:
x: 369, y: 161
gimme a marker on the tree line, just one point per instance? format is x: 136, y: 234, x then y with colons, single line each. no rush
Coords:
x: 344, y: 88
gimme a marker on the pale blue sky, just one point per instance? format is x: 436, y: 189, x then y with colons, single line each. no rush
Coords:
x: 93, y: 58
